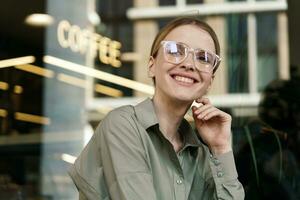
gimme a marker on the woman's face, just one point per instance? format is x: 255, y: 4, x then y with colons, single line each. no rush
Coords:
x: 182, y: 81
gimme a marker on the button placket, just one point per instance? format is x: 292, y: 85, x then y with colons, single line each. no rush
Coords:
x: 179, y: 181
x: 216, y: 161
x: 179, y: 187
x: 220, y: 174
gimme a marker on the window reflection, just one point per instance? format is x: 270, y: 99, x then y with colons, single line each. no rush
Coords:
x: 48, y: 113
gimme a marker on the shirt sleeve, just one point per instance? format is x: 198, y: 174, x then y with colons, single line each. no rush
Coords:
x: 114, y: 164
x: 225, y: 177
x: 87, y: 173
x: 125, y: 164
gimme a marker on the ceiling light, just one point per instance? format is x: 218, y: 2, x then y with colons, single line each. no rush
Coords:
x: 39, y: 19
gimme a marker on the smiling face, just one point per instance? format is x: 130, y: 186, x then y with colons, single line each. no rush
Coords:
x: 182, y: 81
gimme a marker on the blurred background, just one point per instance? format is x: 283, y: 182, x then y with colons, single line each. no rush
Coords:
x: 65, y: 64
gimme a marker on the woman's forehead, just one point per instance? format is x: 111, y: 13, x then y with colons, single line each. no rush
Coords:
x: 192, y: 35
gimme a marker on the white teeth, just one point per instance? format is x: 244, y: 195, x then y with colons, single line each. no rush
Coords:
x: 183, y: 79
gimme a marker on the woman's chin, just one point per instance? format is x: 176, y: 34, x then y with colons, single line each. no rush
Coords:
x: 185, y: 99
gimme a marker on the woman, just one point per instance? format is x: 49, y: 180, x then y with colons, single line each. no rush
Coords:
x: 149, y: 151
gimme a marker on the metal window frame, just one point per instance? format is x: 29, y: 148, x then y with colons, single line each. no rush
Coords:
x: 181, y: 9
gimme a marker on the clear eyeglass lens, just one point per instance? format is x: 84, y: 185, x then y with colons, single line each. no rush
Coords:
x: 204, y: 60
x: 177, y: 52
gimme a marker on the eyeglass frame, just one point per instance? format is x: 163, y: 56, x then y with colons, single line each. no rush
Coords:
x: 188, y: 49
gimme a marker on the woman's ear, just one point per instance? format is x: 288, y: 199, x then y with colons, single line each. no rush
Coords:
x: 151, y: 68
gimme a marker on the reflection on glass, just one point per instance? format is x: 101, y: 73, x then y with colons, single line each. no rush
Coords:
x: 45, y: 123
x: 268, y: 154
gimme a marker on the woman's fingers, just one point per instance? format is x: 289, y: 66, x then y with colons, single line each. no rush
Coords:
x: 204, y: 113
x: 202, y: 109
x: 211, y: 114
x: 203, y: 100
x: 208, y: 111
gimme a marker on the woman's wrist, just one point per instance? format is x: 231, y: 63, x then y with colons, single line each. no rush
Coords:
x: 220, y: 150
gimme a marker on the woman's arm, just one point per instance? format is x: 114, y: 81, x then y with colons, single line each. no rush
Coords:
x: 225, y: 177
x: 214, y: 127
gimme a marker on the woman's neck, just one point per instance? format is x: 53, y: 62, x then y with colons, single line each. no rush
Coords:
x: 170, y: 114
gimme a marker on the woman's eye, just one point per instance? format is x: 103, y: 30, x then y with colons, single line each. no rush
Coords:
x: 203, y: 57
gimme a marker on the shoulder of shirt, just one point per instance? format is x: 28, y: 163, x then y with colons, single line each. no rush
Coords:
x: 119, y: 116
x: 119, y: 120
x: 123, y: 111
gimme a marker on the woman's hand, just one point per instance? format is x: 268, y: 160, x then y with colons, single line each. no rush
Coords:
x: 213, y: 125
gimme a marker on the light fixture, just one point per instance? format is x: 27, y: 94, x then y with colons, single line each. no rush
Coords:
x: 39, y: 19
x: 3, y: 113
x: 18, y: 89
x: 32, y: 118
x: 108, y: 90
x: 99, y: 74
x: 3, y: 85
x: 94, y: 18
x: 16, y: 61
x: 36, y: 70
x: 72, y: 80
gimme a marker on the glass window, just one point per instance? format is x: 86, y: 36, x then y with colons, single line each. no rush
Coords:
x: 237, y: 53
x: 45, y: 119
x: 267, y: 49
x: 116, y: 24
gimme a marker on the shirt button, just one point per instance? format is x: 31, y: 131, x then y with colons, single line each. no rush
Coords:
x: 217, y: 162
x: 220, y: 174
x: 178, y: 181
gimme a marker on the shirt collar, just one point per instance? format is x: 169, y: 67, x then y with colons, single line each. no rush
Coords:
x: 146, y: 115
x: 189, y: 135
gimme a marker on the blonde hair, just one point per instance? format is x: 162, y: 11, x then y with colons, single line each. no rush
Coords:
x: 184, y: 21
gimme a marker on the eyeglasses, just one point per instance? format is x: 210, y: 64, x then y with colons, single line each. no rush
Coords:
x: 177, y: 52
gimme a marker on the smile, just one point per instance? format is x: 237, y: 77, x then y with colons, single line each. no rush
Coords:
x: 185, y: 80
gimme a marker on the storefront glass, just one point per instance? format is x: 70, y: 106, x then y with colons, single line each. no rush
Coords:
x: 61, y: 73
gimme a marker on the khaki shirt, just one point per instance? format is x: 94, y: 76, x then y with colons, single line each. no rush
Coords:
x: 129, y: 158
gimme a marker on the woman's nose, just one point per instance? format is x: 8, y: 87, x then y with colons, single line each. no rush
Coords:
x: 188, y: 62
x: 188, y: 66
